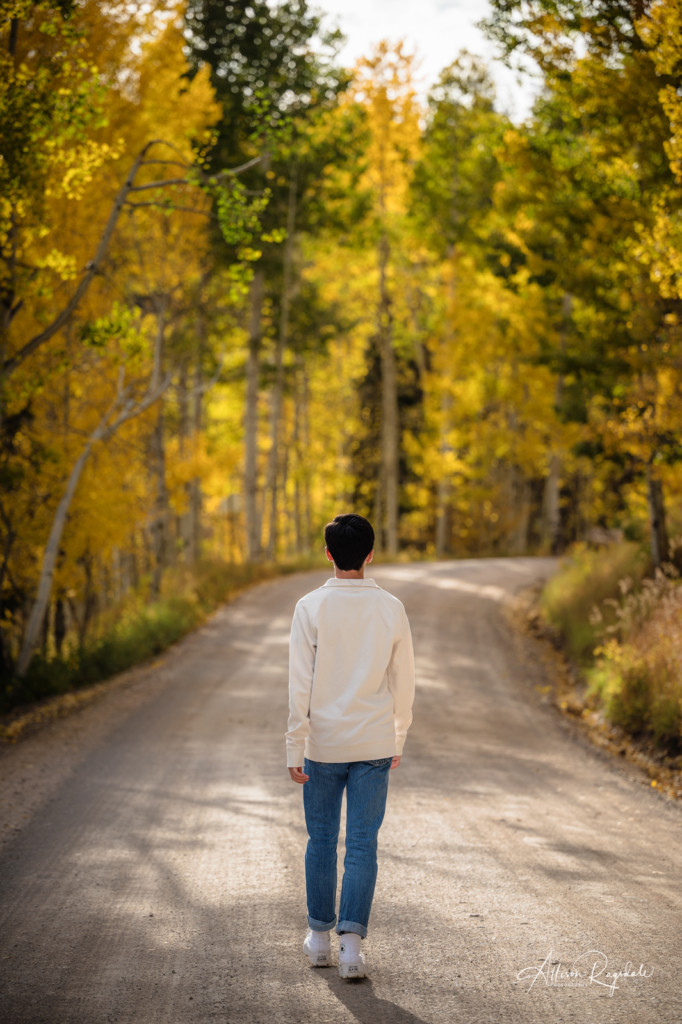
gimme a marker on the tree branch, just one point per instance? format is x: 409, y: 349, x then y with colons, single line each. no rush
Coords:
x: 165, y: 163
x: 130, y: 409
x: 159, y: 184
x: 9, y: 365
x: 162, y: 206
x: 230, y: 171
x: 93, y: 266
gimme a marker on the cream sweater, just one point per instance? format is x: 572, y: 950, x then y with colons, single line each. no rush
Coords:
x: 351, y: 674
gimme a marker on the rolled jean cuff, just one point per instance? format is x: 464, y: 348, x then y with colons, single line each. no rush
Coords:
x: 321, y: 926
x: 351, y: 926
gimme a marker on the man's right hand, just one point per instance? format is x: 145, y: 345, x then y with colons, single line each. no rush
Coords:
x: 298, y: 775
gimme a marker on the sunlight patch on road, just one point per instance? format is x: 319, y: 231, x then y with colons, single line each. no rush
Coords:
x: 427, y: 578
x: 431, y: 683
x: 487, y: 590
x: 430, y: 676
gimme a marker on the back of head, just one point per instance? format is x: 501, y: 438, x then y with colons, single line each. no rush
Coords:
x: 349, y: 538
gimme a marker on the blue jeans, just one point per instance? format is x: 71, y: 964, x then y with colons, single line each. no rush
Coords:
x: 366, y: 785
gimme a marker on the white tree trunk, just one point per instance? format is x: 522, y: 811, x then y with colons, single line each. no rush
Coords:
x: 195, y: 496
x: 251, y: 510
x: 102, y: 431
x: 551, y: 507
x: 657, y: 519
x: 443, y: 539
x: 552, y: 511
x: 272, y: 482
x: 444, y: 487
x: 390, y: 428
x: 160, y: 524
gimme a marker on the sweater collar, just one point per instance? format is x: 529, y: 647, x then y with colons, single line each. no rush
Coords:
x: 334, y: 582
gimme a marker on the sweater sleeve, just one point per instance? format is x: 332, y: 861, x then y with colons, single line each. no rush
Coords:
x: 401, y: 681
x: 302, y: 649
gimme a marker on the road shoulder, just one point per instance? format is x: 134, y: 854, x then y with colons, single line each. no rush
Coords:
x: 565, y: 694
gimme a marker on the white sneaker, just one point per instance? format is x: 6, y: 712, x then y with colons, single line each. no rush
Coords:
x: 351, y: 961
x: 318, y: 948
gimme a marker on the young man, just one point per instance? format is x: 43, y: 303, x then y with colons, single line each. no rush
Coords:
x: 351, y: 687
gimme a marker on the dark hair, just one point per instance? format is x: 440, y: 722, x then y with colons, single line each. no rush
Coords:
x: 349, y: 538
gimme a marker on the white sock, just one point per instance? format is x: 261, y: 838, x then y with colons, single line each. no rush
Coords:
x: 350, y: 943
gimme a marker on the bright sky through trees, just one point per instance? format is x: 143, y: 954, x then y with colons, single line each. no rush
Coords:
x: 437, y: 30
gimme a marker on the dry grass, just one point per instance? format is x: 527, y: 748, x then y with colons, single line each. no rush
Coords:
x: 568, y: 692
x: 638, y: 671
x: 587, y: 579
x: 624, y: 631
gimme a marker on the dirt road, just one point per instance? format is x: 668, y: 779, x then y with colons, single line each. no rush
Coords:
x: 520, y: 871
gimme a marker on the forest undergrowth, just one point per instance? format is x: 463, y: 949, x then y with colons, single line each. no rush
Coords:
x: 620, y: 624
x: 129, y: 635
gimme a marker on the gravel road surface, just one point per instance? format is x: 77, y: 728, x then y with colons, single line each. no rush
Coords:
x: 524, y: 877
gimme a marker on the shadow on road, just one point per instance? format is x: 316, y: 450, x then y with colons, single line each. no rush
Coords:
x: 359, y: 998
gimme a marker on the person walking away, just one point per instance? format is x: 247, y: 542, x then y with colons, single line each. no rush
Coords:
x: 351, y: 690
